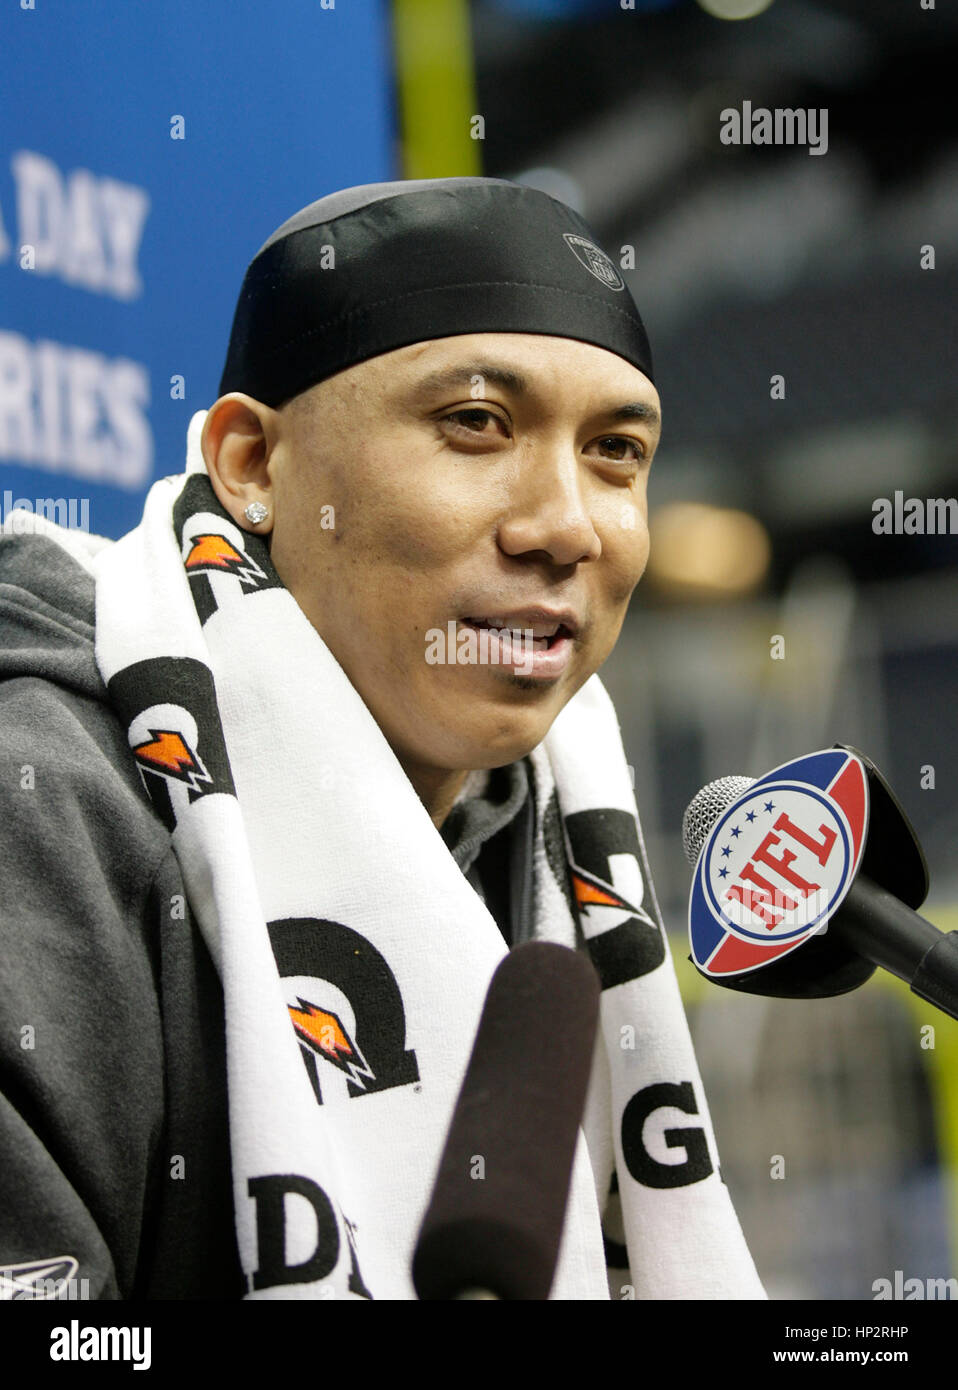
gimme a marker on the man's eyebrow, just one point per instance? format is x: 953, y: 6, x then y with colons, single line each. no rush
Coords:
x: 646, y: 414
x: 513, y: 381
x: 464, y: 376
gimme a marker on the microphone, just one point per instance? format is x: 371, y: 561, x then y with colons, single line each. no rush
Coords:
x: 807, y: 879
x: 494, y: 1222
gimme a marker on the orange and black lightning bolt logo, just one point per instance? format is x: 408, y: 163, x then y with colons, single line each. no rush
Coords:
x: 323, y: 1032
x: 216, y: 554
x: 168, y: 752
x: 592, y: 892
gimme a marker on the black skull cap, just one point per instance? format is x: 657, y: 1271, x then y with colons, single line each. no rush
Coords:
x: 377, y: 267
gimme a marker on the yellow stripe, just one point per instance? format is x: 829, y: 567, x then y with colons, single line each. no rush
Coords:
x: 942, y: 1063
x: 436, y: 89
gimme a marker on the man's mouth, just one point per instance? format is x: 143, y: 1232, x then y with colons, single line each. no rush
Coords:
x: 539, y: 636
x: 530, y: 642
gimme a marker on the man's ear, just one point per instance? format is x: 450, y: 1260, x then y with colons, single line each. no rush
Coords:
x: 239, y: 434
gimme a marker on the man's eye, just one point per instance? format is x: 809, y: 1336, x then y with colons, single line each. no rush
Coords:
x: 614, y: 444
x: 473, y: 420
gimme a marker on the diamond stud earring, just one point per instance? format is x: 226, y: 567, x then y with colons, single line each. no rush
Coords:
x: 256, y: 512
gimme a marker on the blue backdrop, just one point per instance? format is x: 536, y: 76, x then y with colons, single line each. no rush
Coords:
x: 147, y: 149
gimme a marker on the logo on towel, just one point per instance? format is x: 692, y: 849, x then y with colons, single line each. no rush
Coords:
x: 345, y: 1008
x: 606, y: 874
x: 223, y: 563
x: 324, y: 1032
x: 167, y: 752
x: 174, y: 731
x: 596, y: 262
x: 218, y: 554
x: 165, y: 741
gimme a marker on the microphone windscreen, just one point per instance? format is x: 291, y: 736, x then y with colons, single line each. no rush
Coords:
x: 497, y: 1210
x: 704, y: 810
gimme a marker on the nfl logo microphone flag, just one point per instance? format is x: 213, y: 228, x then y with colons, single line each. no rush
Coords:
x: 778, y: 863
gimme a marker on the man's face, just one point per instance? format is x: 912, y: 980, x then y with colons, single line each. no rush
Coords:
x: 490, y: 480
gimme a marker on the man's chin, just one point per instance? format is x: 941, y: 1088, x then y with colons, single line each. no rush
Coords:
x: 496, y: 745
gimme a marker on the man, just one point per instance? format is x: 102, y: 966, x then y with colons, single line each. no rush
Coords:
x: 311, y: 748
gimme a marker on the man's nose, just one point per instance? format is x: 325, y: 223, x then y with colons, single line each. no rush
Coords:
x: 547, y: 508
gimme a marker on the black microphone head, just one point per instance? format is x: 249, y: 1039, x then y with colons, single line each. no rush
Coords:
x: 497, y: 1210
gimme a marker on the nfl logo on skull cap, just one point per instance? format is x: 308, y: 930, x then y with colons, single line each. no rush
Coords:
x: 778, y: 863
x: 596, y: 262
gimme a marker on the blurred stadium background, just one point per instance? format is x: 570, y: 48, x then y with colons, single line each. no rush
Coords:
x: 749, y: 263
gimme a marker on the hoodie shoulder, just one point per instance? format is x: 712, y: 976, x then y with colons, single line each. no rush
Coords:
x: 47, y: 615
x: 54, y: 710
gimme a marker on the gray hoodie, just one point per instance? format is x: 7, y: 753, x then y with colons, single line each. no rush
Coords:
x: 114, y: 1144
